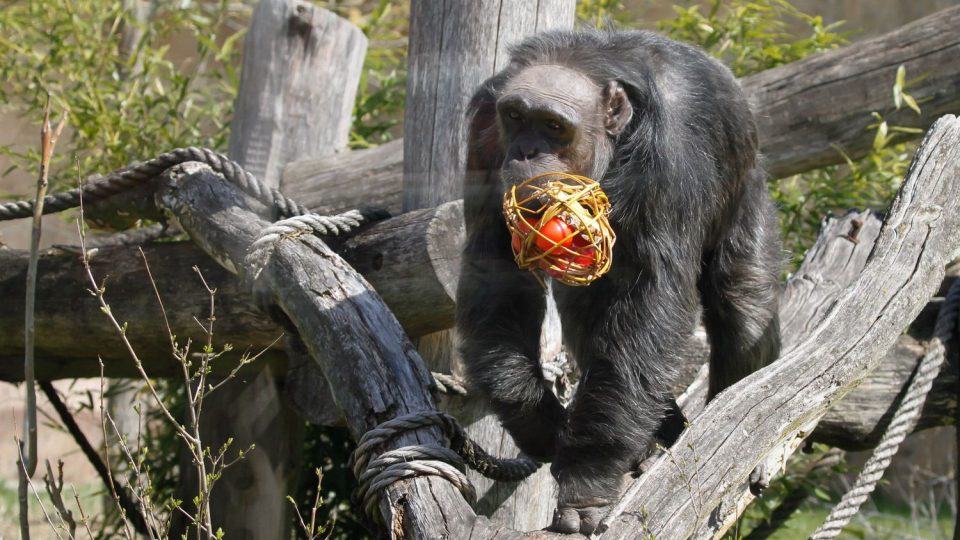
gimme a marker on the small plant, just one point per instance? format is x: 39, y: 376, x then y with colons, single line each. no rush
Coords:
x: 870, y: 182
x: 751, y: 36
x: 114, y: 74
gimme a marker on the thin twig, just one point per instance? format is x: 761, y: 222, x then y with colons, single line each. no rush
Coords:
x: 48, y: 141
x: 36, y: 493
x: 54, y: 486
x: 83, y: 515
x: 136, y: 518
x: 98, y: 292
x: 112, y: 483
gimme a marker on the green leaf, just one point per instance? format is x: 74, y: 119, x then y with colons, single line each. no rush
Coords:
x: 821, y: 494
x: 912, y: 103
x: 880, y: 139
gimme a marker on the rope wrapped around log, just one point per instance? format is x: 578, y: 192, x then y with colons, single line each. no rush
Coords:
x: 412, y: 461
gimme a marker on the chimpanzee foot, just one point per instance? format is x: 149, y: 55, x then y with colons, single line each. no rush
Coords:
x: 579, y: 519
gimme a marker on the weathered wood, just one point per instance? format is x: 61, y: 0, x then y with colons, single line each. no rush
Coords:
x: 412, y: 261
x: 301, y: 68
x: 834, y: 262
x: 373, y: 369
x: 413, y: 258
x: 805, y: 112
x: 70, y: 341
x: 349, y: 179
x: 775, y: 408
x: 453, y: 47
x: 402, y: 258
x: 809, y: 111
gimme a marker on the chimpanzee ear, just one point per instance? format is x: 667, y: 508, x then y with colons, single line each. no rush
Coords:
x: 617, y: 108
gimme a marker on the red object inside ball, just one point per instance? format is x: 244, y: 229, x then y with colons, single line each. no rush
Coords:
x: 555, y: 232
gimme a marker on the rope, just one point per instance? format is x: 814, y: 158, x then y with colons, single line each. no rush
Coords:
x: 132, y: 237
x: 408, y: 462
x: 411, y: 461
x: 902, y: 423
x: 139, y: 173
x: 448, y: 384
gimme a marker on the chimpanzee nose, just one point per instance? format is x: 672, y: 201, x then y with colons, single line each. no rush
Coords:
x: 529, y: 150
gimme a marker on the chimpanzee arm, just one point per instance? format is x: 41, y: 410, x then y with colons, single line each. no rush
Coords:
x: 625, y: 331
x: 500, y: 310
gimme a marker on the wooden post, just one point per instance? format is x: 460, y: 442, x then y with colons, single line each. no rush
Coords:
x: 301, y: 68
x: 454, y: 46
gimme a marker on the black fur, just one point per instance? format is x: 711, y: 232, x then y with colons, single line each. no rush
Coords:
x: 695, y: 227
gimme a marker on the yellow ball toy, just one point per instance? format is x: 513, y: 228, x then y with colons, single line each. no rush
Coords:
x: 559, y: 226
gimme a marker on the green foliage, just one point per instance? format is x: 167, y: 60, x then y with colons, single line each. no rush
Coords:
x: 871, y: 182
x: 378, y: 110
x: 126, y: 100
x: 601, y: 13
x: 751, y: 36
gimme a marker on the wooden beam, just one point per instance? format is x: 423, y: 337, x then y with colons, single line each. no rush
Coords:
x: 373, y: 369
x: 834, y: 263
x: 810, y: 111
x: 411, y: 260
x: 454, y: 47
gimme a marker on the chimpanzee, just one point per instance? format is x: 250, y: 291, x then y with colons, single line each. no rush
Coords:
x: 669, y: 134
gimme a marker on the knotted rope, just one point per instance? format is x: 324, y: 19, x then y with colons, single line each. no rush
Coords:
x: 140, y: 173
x: 902, y: 423
x: 411, y: 461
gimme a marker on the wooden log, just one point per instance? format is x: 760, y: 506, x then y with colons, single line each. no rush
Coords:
x: 834, y: 262
x: 805, y: 110
x: 810, y: 111
x: 679, y: 496
x: 301, y: 68
x: 69, y: 342
x: 403, y: 258
x: 349, y: 179
x: 453, y: 47
x: 374, y: 370
x: 412, y: 260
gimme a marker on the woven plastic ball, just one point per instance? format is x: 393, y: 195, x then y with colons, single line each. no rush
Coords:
x: 559, y: 227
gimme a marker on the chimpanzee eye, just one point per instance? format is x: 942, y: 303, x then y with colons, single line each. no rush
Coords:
x: 553, y: 125
x: 513, y: 114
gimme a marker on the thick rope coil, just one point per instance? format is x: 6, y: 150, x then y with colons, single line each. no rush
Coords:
x: 408, y: 462
x: 464, y: 450
x: 904, y: 418
x: 138, y: 173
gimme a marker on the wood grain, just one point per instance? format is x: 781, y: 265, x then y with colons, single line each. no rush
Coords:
x: 455, y: 46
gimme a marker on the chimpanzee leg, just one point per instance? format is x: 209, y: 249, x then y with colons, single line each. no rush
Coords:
x: 625, y: 333
x: 740, y: 289
x: 500, y: 310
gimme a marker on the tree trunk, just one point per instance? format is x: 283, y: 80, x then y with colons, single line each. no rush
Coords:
x: 301, y: 67
x: 455, y: 46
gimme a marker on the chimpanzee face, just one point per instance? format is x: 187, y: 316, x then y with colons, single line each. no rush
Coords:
x: 552, y: 118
